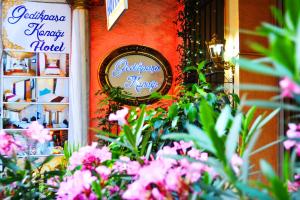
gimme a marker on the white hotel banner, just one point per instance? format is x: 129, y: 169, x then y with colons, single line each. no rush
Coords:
x: 114, y: 9
x: 36, y: 27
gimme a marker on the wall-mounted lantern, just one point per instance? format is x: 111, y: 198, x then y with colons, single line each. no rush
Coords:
x: 216, y: 49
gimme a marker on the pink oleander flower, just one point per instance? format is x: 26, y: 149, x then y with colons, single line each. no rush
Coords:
x: 104, y: 172
x: 173, y: 179
x: 157, y: 195
x: 294, y: 186
x: 37, y: 132
x: 53, y: 181
x: 8, y: 145
x: 120, y: 116
x: 136, y: 191
x: 160, y: 177
x: 288, y: 88
x: 236, y: 163
x: 125, y: 165
x: 113, y: 189
x: 155, y: 172
x: 293, y: 133
x: 165, y: 155
x: 89, y: 157
x: 77, y: 186
x: 184, y: 146
x: 193, y: 171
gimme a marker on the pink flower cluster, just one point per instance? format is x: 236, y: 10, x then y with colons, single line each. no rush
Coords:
x: 293, y: 133
x: 77, y: 186
x: 160, y: 178
x: 288, y: 88
x: 37, y: 132
x: 120, y: 116
x: 236, y: 162
x: 294, y: 186
x: 89, y: 157
x: 126, y: 166
x: 8, y: 145
x: 54, y: 181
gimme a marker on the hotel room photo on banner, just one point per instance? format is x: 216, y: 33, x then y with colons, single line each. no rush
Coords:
x: 51, y: 116
x: 19, y: 90
x: 18, y: 116
x: 16, y: 63
x: 53, y: 90
x: 35, y: 70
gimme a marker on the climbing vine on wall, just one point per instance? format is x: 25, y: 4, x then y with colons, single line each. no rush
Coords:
x: 197, y: 21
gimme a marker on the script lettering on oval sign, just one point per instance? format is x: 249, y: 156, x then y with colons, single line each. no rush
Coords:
x: 139, y: 71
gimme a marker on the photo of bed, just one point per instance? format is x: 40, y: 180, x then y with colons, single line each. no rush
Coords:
x: 53, y: 64
x: 18, y: 116
x: 53, y: 115
x: 53, y: 90
x: 16, y: 63
x: 19, y: 90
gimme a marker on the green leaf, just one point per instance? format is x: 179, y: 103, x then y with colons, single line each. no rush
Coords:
x: 268, y: 118
x: 102, y: 137
x: 149, y: 149
x: 178, y: 137
x: 278, y: 188
x: 267, y: 170
x: 257, y: 67
x: 253, y: 193
x: 28, y: 164
x: 222, y: 120
x: 145, y: 142
x: 67, y: 154
x: 129, y: 136
x: 173, y: 111
x: 266, y: 146
x: 208, y: 122
x: 200, y: 138
x: 271, y: 105
x: 190, y: 68
x: 175, y: 121
x: 207, y: 117
x: 105, y: 133
x: 48, y: 159
x: 297, y: 52
x: 157, y: 124
x: 97, y: 189
x: 278, y: 15
x: 258, y: 87
x: 249, y: 117
x: 246, y: 155
x: 192, y: 113
x: 253, y: 128
x: 286, y: 167
x: 272, y: 29
x: 9, y: 164
x: 282, y: 55
x: 233, y: 137
x: 139, y: 127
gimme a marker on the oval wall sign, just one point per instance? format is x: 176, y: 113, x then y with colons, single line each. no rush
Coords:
x: 139, y: 71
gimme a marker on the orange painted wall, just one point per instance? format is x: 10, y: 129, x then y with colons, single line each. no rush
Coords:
x: 146, y: 22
